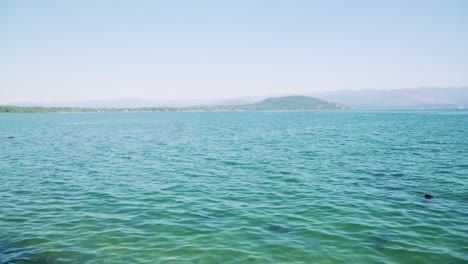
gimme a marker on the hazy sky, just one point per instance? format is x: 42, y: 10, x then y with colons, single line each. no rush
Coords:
x: 79, y: 50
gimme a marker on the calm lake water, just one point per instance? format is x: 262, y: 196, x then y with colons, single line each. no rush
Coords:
x: 258, y: 187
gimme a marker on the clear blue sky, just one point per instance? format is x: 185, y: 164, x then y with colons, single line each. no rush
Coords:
x: 55, y: 51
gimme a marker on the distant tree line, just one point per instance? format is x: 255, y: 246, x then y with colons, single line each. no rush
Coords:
x: 287, y: 103
x: 41, y: 109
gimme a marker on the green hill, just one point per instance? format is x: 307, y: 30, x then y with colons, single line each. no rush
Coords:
x: 292, y: 103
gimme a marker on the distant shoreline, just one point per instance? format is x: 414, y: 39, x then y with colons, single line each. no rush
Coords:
x: 172, y: 111
x: 237, y: 111
x: 288, y: 103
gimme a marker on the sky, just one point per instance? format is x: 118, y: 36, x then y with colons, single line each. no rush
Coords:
x: 59, y: 51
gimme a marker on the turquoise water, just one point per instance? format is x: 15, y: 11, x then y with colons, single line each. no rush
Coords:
x: 263, y: 187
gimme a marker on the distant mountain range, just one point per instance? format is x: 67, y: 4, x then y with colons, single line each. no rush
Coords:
x: 288, y: 103
x: 418, y: 98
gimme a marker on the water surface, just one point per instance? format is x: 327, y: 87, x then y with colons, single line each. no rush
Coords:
x: 248, y: 187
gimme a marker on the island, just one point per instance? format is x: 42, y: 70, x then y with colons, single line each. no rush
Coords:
x: 287, y: 103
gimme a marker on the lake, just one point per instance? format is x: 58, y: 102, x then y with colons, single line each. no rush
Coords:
x: 234, y: 187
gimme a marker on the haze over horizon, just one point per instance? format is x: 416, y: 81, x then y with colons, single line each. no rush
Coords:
x: 58, y: 51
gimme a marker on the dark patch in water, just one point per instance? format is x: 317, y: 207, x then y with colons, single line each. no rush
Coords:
x: 21, y: 257
x: 292, y: 180
x: 230, y: 163
x: 2, y: 250
x: 429, y: 196
x: 381, y: 241
x: 443, y: 172
x: 279, y: 228
x: 34, y: 260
